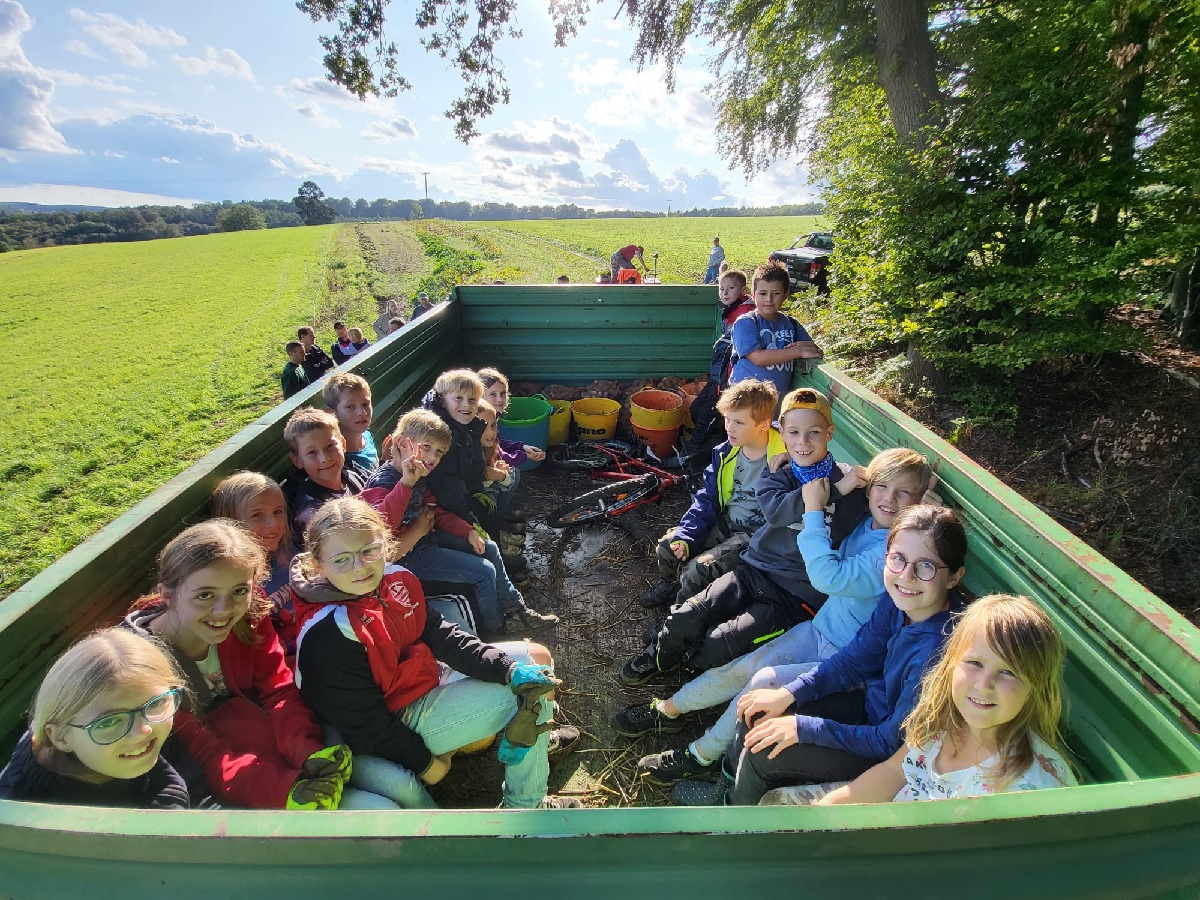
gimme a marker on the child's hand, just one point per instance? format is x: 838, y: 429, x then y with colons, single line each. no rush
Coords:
x: 778, y: 461
x: 495, y: 473
x: 852, y: 477
x: 412, y: 468
x: 815, y: 494
x: 680, y: 549
x: 385, y: 448
x: 477, y: 542
x: 336, y: 762
x: 931, y: 496
x: 315, y: 793
x: 775, y: 735
x: 769, y: 702
x: 438, y: 769
x: 423, y: 523
x: 537, y: 454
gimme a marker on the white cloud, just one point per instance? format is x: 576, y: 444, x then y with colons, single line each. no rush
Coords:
x: 315, y: 114
x: 326, y: 91
x: 25, y: 91
x: 125, y: 39
x: 532, y: 63
x: 166, y: 159
x: 553, y: 136
x: 215, y: 62
x: 81, y: 49
x: 397, y: 129
x: 114, y: 84
x: 71, y: 194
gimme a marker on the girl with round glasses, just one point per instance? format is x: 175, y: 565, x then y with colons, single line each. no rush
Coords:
x: 100, y: 729
x: 833, y: 722
x: 249, y: 728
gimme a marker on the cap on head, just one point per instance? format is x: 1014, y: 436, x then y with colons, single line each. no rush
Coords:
x: 422, y: 296
x: 806, y: 398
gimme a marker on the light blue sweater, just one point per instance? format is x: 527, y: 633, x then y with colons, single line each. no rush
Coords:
x: 851, y: 575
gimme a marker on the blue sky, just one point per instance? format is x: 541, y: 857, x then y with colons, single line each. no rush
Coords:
x: 135, y: 102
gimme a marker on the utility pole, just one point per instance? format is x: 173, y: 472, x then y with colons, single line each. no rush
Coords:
x: 668, y: 209
x: 426, y: 176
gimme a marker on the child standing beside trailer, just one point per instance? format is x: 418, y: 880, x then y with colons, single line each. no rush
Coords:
x: 100, y: 730
x: 987, y: 720
x: 249, y: 728
x: 348, y: 397
x: 852, y: 575
x: 316, y: 360
x: 293, y: 380
x: 402, y: 685
x: 836, y: 720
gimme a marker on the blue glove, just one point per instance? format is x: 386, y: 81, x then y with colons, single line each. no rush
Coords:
x: 509, y: 753
x: 523, y: 673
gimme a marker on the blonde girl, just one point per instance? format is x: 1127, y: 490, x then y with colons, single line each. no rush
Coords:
x: 257, y: 502
x: 249, y: 729
x: 987, y: 720
x: 100, y: 727
x: 495, y: 392
x: 402, y: 686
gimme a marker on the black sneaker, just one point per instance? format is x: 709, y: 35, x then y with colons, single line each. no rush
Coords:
x: 672, y: 766
x: 641, y: 668
x: 702, y: 793
x: 644, y: 718
x: 563, y: 740
x: 662, y: 594
x: 649, y: 635
x: 524, y: 620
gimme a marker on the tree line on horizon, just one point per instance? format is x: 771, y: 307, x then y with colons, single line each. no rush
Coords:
x: 26, y: 226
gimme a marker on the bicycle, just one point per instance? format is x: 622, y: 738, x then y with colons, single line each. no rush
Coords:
x: 637, y: 482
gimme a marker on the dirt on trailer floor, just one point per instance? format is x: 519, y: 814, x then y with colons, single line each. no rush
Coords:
x: 590, y: 576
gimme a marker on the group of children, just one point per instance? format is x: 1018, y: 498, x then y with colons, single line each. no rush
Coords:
x: 333, y: 641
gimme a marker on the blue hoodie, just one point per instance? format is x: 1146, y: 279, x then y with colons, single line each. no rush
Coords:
x: 890, y: 658
x: 852, y: 575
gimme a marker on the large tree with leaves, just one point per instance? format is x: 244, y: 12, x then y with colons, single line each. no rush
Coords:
x: 1000, y: 173
x: 310, y: 203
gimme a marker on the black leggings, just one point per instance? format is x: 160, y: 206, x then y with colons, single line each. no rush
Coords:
x: 799, y: 763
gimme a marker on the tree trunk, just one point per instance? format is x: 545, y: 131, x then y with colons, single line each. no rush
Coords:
x: 904, y: 55
x: 1183, y: 307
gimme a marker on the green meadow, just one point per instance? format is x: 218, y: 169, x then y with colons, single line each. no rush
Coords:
x: 124, y: 363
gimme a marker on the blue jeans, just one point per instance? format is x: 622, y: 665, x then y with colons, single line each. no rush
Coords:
x: 710, y: 274
x: 794, y: 652
x: 504, y: 492
x: 431, y: 562
x: 510, y: 598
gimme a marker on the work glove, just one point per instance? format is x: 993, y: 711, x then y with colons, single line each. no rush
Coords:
x: 522, y: 674
x: 332, y: 762
x: 530, y: 683
x: 315, y: 793
x: 486, y: 501
x: 481, y: 531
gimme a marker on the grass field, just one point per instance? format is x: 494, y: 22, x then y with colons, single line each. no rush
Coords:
x: 127, y: 362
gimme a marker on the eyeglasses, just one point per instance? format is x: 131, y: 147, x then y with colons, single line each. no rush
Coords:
x: 344, y: 562
x: 110, y: 728
x: 924, y: 569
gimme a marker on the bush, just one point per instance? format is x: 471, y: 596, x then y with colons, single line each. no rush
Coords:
x: 242, y: 217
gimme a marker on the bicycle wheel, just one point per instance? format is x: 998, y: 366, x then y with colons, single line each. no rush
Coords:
x: 604, y: 502
x: 579, y: 457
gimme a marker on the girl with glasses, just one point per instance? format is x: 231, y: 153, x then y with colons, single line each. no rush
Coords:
x: 248, y: 728
x: 833, y: 722
x: 100, y: 730
x: 405, y: 688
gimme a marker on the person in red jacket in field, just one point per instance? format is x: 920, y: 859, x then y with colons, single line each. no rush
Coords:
x: 248, y: 727
x: 627, y: 257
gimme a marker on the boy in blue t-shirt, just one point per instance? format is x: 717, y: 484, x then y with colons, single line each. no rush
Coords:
x: 766, y: 343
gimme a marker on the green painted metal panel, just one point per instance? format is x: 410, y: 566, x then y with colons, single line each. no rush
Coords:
x: 1133, y: 681
x: 577, y: 333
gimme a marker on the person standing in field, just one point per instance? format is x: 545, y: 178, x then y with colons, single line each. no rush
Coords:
x: 422, y: 306
x: 716, y: 256
x: 627, y: 257
x: 383, y: 325
x: 316, y: 360
x: 293, y: 380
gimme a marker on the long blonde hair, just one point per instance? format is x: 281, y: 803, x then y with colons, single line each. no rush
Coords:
x: 342, y: 514
x: 233, y: 494
x: 1024, y: 637
x: 202, y: 545
x: 109, y: 660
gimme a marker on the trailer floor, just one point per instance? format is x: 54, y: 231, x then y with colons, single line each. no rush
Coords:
x: 591, y: 577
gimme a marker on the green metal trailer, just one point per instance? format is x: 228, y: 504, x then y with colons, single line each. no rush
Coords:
x: 1133, y: 680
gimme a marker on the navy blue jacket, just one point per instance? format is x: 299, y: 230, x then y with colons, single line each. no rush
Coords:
x: 890, y: 658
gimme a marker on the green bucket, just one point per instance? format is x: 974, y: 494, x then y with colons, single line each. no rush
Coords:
x: 527, y: 420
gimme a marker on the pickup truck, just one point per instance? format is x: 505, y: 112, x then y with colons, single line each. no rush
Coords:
x: 807, y: 260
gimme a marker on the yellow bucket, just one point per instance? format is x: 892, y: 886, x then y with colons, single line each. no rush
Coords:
x: 595, y: 418
x: 560, y: 422
x: 656, y: 409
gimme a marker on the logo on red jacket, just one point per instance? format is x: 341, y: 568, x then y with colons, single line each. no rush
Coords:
x: 397, y: 592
